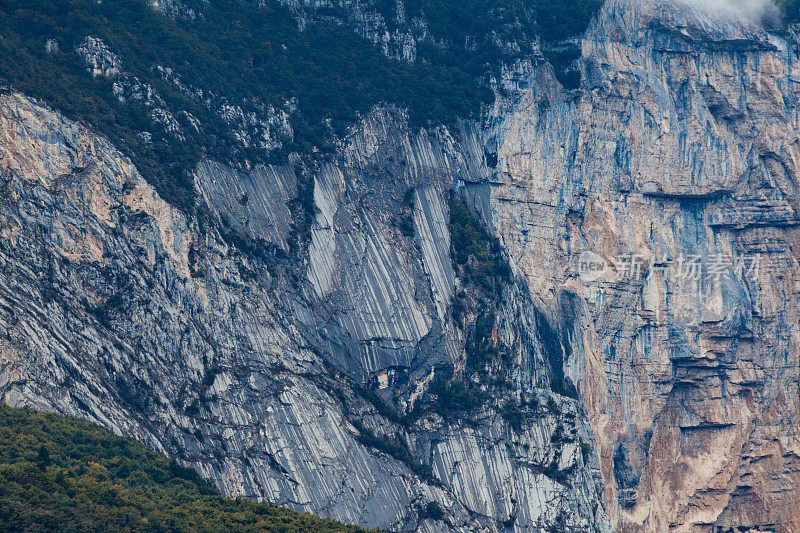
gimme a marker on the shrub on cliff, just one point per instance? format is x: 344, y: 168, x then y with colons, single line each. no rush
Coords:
x: 249, y: 54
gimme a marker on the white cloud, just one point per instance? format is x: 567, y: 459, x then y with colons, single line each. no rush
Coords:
x: 749, y: 10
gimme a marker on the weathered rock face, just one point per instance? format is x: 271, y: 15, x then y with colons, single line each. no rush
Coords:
x: 116, y: 307
x: 682, y: 141
x: 284, y: 361
x: 397, y: 37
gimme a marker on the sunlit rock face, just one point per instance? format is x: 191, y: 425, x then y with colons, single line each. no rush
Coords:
x: 681, y: 143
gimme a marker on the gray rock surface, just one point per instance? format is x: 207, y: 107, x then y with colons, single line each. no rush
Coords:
x: 286, y: 362
x: 116, y: 307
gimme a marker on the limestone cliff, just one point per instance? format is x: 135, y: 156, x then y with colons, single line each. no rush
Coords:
x: 279, y: 373
x: 682, y: 142
x: 307, y: 363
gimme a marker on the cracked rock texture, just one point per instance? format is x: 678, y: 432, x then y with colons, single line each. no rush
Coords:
x: 116, y: 307
x: 682, y: 140
x: 282, y: 360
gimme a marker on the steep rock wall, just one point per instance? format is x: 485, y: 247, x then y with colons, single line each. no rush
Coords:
x: 282, y: 361
x: 681, y: 143
x: 255, y: 368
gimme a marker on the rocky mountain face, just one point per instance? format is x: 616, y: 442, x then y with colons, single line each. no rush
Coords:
x: 285, y: 374
x: 680, y: 148
x: 365, y: 367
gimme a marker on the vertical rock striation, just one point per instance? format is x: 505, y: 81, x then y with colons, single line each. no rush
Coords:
x: 278, y: 371
x: 289, y: 360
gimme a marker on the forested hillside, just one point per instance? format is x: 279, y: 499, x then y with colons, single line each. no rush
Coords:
x: 65, y: 474
x: 243, y: 82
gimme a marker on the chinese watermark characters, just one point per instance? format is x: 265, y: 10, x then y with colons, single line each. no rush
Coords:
x: 716, y: 267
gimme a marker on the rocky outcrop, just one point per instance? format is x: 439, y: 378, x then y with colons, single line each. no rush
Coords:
x: 277, y: 371
x: 395, y: 34
x: 173, y: 8
x: 638, y: 369
x: 98, y: 58
x: 680, y: 146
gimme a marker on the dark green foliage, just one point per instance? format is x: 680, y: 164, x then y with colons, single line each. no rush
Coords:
x: 480, y: 347
x: 44, y: 457
x: 479, y: 263
x: 533, y: 403
x: 561, y: 59
x: 237, y: 49
x: 305, y: 198
x: 459, y: 305
x: 249, y: 52
x: 386, y: 445
x: 405, y: 219
x: 469, y: 33
x: 209, y: 377
x: 406, y: 226
x: 790, y: 9
x: 559, y: 436
x: 586, y: 451
x: 194, y: 408
x: 467, y: 236
x: 477, y: 256
x: 64, y: 474
x: 553, y: 471
x: 513, y: 415
x: 454, y: 397
x: 433, y: 510
x: 558, y: 20
x: 379, y: 405
x: 484, y: 23
x: 482, y: 269
x: 553, y: 407
x: 393, y: 447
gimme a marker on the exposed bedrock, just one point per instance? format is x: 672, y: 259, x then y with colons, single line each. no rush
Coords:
x: 681, y: 144
x: 283, y: 373
x: 284, y: 359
